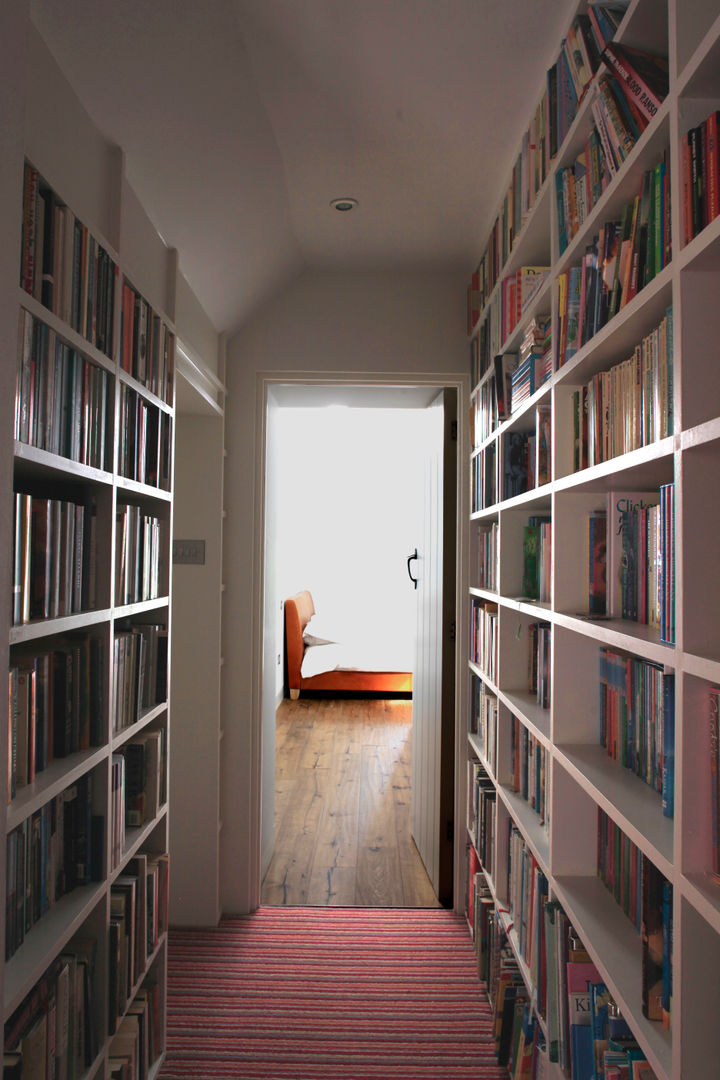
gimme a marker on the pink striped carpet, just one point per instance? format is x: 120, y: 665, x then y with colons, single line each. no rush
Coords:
x: 337, y: 994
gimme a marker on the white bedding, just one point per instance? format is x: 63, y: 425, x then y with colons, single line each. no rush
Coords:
x: 357, y: 656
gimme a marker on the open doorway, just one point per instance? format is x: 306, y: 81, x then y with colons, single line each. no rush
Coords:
x: 346, y: 473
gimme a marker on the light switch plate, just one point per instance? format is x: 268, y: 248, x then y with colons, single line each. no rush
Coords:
x: 189, y: 552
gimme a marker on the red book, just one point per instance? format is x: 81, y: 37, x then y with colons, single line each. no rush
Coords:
x: 703, y: 174
x: 712, y: 146
x: 27, y: 275
x: 644, y: 77
x: 685, y: 178
x: 714, y: 736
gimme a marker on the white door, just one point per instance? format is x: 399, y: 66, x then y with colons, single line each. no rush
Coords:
x: 431, y: 807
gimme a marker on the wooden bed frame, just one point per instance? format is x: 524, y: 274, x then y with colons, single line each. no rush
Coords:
x: 298, y: 610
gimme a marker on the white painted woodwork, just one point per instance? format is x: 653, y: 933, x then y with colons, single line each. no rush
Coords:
x: 427, y: 673
x: 195, y: 702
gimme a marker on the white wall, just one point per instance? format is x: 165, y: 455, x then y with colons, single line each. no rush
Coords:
x: 329, y: 323
x: 350, y: 487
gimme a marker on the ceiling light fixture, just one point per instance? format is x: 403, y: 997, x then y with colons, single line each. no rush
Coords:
x: 343, y: 205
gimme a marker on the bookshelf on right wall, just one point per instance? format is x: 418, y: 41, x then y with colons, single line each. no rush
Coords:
x: 593, y: 760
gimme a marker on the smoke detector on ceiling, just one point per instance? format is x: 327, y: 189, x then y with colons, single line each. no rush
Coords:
x: 343, y: 205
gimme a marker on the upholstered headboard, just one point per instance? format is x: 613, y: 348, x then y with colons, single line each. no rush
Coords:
x: 298, y: 611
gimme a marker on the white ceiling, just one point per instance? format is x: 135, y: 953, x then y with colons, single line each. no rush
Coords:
x: 242, y: 119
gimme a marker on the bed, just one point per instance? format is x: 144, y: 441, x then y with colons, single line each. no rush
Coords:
x: 318, y: 662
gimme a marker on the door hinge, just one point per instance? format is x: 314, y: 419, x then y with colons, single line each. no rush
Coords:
x: 453, y: 430
x: 451, y: 631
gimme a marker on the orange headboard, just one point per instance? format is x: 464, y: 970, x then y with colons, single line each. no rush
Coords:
x: 298, y: 611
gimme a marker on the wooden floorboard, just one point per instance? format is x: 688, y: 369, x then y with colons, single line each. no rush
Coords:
x: 342, y: 807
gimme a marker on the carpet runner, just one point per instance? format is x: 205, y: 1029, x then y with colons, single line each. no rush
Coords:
x: 337, y: 994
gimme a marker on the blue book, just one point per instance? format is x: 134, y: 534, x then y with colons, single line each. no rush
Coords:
x: 668, y: 737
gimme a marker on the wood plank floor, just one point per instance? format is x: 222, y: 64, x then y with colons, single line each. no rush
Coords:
x: 342, y: 807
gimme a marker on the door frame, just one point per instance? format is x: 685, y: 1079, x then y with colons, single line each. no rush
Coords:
x: 265, y: 382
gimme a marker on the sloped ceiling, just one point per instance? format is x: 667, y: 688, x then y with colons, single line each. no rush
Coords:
x: 242, y: 119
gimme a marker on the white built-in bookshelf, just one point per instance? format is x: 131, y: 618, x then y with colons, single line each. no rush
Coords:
x: 90, y: 362
x: 579, y: 778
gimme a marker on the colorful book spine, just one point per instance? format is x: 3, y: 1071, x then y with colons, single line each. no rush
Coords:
x: 637, y: 720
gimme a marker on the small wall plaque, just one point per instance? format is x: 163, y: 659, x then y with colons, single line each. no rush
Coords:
x: 188, y: 552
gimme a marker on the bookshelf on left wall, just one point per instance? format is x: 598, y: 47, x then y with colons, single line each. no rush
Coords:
x: 92, y: 306
x: 87, y: 825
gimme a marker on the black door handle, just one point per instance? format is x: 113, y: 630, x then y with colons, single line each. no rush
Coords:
x: 410, y: 559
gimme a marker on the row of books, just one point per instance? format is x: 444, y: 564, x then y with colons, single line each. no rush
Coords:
x: 622, y: 107
x: 483, y: 412
x: 526, y: 889
x: 56, y: 705
x: 487, y: 539
x: 61, y: 400
x: 641, y: 558
x: 519, y: 451
x: 138, y: 786
x: 587, y: 1035
x: 145, y: 440
x: 484, y: 481
x: 484, y: 633
x: 539, y: 639
x: 646, y: 898
x: 546, y: 131
x: 63, y: 265
x: 137, y: 1043
x: 140, y: 664
x: 146, y: 346
x: 139, y: 540
x: 138, y: 918
x: 518, y: 1039
x: 578, y: 187
x: 484, y: 721
x: 700, y: 163
x: 628, y: 406
x: 55, y: 850
x: 528, y: 762
x: 53, y: 558
x: 637, y: 720
x: 623, y: 257
x: 567, y: 80
x: 145, y: 784
x: 525, y: 463
x: 53, y: 1034
x: 535, y: 361
x: 537, y: 545
x: 481, y: 813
